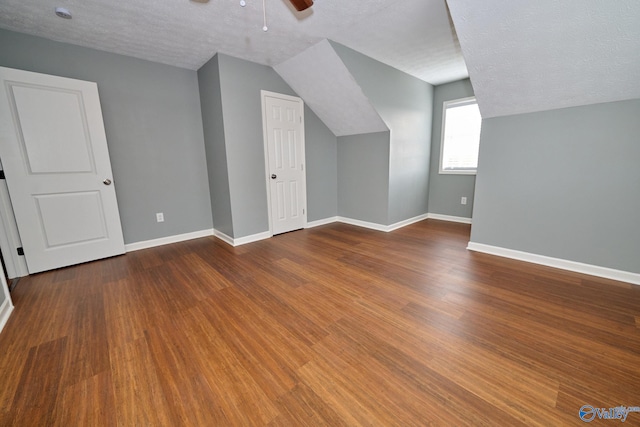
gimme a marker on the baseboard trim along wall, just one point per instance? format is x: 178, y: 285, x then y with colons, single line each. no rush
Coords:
x: 578, y: 267
x: 225, y: 238
x: 253, y: 238
x: 380, y: 227
x: 364, y: 224
x: 265, y: 235
x: 320, y: 222
x: 241, y: 240
x: 440, y: 217
x: 167, y: 240
x: 5, y: 312
x: 387, y: 228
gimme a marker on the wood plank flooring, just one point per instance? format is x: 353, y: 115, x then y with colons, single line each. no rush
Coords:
x: 334, y: 326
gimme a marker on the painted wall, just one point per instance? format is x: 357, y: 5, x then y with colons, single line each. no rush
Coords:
x: 405, y: 104
x: 240, y: 85
x: 154, y: 131
x: 563, y: 184
x: 363, y: 177
x: 321, y: 151
x: 214, y: 139
x: 445, y: 190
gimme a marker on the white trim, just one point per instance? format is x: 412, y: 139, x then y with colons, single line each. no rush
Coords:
x: 10, y: 237
x: 225, y: 238
x: 5, y: 312
x: 253, y: 238
x: 406, y: 222
x: 167, y: 240
x: 242, y: 240
x: 380, y: 227
x: 364, y: 224
x: 578, y: 267
x: 7, y: 305
x: 446, y: 104
x: 450, y: 218
x: 320, y: 222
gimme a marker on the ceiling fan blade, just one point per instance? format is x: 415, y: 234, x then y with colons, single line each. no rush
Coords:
x: 301, y: 5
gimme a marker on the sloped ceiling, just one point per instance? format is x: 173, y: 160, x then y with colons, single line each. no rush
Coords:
x: 525, y: 56
x: 415, y: 36
x: 320, y: 77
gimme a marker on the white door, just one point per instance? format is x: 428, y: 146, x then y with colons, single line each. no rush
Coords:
x: 283, y: 118
x: 54, y: 153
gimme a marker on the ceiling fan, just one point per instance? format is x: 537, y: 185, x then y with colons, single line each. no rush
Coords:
x: 301, y: 5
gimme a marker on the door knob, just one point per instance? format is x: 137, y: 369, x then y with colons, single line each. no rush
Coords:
x: 107, y: 181
x: 273, y: 176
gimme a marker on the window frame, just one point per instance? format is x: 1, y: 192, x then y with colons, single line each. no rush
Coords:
x: 447, y: 104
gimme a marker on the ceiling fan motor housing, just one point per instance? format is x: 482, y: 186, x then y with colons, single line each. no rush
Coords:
x: 301, y: 5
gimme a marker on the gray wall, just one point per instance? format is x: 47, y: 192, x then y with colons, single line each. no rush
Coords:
x: 240, y: 85
x: 321, y: 151
x: 563, y: 183
x: 214, y: 139
x: 154, y: 131
x: 445, y: 190
x: 405, y: 104
x: 363, y: 177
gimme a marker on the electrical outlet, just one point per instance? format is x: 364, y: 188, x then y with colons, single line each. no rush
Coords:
x: 463, y: 200
x: 160, y: 217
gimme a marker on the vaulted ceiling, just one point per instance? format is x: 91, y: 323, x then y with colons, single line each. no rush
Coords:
x: 525, y: 56
x: 415, y: 36
x: 522, y: 55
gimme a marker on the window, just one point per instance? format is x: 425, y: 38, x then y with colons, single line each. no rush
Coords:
x: 461, y: 123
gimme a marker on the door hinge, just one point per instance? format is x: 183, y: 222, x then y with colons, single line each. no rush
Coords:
x: 2, y: 175
x: 20, y: 251
x: 302, y: 167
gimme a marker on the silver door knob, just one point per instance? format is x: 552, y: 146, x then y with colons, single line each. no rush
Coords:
x: 107, y: 181
x: 273, y: 176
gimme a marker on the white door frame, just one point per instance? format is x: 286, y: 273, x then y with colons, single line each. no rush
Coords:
x: 7, y: 306
x: 10, y: 238
x: 263, y: 95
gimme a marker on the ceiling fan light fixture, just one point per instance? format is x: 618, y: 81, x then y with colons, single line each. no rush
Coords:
x: 301, y: 5
x: 63, y: 13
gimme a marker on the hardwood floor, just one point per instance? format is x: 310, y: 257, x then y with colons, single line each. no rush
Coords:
x: 336, y: 325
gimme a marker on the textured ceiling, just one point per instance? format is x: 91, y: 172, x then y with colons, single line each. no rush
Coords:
x: 525, y: 56
x: 320, y: 77
x: 414, y: 36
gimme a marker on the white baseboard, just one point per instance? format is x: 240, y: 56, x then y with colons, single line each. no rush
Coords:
x: 241, y: 240
x: 220, y: 235
x: 450, y: 218
x: 578, y: 267
x: 5, y: 312
x: 365, y: 224
x: 265, y: 235
x: 406, y: 222
x: 380, y: 227
x: 320, y: 222
x: 167, y: 240
x: 253, y: 238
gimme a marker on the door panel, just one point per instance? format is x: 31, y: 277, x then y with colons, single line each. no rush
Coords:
x: 71, y: 218
x: 284, y: 130
x: 54, y: 129
x: 54, y: 152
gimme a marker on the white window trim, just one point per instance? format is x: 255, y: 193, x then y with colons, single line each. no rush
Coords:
x: 453, y: 102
